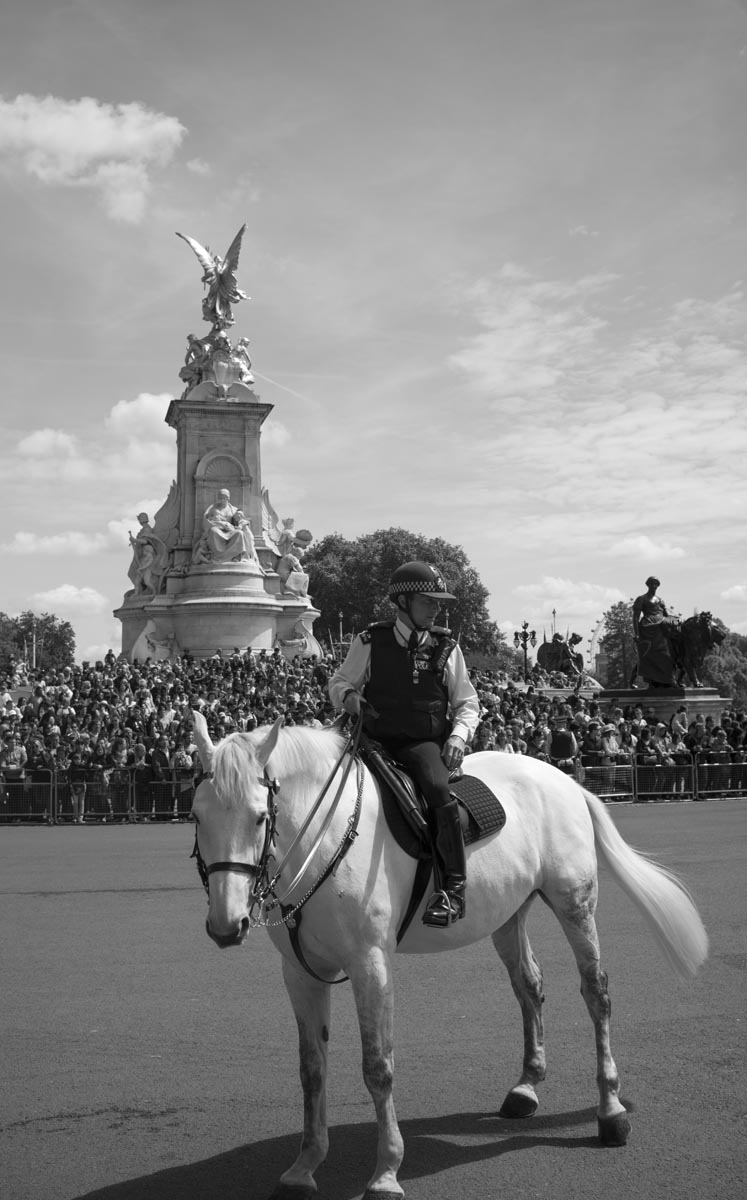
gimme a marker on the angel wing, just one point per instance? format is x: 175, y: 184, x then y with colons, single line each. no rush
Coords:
x: 231, y: 260
x: 166, y: 520
x: 271, y: 523
x: 208, y: 263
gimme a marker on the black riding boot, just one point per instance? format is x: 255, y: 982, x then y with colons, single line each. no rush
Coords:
x: 449, y: 904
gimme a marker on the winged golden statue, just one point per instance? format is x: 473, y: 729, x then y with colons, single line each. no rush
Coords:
x: 220, y: 278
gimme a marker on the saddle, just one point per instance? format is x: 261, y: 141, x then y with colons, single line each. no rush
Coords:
x: 406, y: 812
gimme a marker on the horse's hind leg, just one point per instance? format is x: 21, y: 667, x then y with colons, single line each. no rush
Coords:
x: 524, y: 971
x: 575, y: 910
x: 311, y: 1006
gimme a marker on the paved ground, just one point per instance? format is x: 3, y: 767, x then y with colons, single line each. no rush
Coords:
x: 139, y: 1062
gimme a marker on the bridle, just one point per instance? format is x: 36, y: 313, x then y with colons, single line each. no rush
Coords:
x: 257, y: 871
x: 263, y: 895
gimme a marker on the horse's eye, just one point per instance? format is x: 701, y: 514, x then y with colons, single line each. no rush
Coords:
x: 261, y: 818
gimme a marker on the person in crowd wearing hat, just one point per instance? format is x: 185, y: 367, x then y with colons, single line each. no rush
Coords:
x: 409, y: 680
x: 719, y: 758
x: 612, y: 755
x: 77, y: 775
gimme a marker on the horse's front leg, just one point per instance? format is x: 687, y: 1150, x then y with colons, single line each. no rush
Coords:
x: 371, y: 977
x: 311, y: 1005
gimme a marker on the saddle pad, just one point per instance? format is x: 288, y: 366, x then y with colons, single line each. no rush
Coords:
x: 484, y: 809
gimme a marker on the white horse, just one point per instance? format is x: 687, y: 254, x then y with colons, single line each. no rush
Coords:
x: 350, y: 921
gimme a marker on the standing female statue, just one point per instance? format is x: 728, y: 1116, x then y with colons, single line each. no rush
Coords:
x: 652, y: 628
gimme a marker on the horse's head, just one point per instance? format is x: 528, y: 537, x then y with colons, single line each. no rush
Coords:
x: 231, y: 810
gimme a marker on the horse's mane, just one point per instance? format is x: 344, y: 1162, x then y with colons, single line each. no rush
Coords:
x: 236, y: 767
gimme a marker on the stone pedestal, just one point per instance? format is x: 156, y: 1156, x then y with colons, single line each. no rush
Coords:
x: 220, y: 609
x: 664, y: 702
x: 204, y: 606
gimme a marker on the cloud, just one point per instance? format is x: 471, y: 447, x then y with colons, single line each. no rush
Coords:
x: 198, y: 166
x: 582, y: 231
x: 142, y: 418
x: 610, y: 405
x: 109, y: 148
x: 69, y: 598
x: 69, y: 543
x: 134, y: 446
x: 643, y: 548
x: 46, y: 442
x: 533, y: 332
x: 738, y: 592
x: 573, y: 598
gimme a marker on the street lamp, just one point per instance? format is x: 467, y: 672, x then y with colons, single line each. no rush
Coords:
x: 527, y: 637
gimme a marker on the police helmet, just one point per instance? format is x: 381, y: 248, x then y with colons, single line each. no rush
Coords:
x: 418, y: 578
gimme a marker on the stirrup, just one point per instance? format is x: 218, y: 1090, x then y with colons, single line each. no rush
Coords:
x: 443, y: 909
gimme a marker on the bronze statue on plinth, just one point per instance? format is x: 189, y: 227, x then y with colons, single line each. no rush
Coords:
x: 670, y: 650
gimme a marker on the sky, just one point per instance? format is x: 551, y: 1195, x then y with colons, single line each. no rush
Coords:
x: 495, y: 252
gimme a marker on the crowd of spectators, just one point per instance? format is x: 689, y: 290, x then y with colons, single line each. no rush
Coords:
x: 99, y: 722
x: 113, y: 719
x: 576, y: 733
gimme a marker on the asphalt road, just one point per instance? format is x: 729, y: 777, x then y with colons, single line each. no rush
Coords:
x: 140, y: 1062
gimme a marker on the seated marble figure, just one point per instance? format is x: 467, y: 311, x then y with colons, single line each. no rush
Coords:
x: 226, y: 534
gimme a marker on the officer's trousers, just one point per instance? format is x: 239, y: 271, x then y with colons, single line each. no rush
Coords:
x: 423, y: 760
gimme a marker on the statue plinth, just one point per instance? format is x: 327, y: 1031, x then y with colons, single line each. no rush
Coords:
x: 663, y: 702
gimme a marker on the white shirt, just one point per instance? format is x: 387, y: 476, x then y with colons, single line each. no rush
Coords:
x: 464, y: 706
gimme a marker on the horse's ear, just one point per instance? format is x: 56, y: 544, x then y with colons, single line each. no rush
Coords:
x: 205, y: 746
x: 265, y: 750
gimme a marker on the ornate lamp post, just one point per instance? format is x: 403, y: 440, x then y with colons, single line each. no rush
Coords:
x: 527, y: 637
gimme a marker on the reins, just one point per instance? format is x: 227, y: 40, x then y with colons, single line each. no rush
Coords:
x: 264, y: 897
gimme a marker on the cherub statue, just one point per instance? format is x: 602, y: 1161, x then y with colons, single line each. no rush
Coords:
x: 220, y: 277
x: 194, y: 361
x: 281, y: 535
x: 241, y: 355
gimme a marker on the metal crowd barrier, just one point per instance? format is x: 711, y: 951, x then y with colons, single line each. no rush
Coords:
x: 123, y: 796
x: 117, y: 796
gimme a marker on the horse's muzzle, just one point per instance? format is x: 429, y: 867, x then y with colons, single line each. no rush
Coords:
x: 224, y: 940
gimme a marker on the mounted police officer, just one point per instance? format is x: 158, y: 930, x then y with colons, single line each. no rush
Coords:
x: 410, y: 679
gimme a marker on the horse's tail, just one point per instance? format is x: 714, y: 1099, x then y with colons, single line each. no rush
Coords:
x: 657, y: 893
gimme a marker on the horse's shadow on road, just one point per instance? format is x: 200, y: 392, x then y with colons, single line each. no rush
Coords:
x: 432, y: 1145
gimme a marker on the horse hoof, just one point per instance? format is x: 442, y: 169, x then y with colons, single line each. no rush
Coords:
x: 613, y: 1131
x: 518, y: 1105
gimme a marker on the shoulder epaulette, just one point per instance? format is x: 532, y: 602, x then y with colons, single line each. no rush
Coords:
x: 367, y: 632
x: 443, y: 649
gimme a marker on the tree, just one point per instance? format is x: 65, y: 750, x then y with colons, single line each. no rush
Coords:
x: 726, y: 669
x: 618, y: 645
x: 9, y: 651
x: 43, y: 641
x: 351, y: 578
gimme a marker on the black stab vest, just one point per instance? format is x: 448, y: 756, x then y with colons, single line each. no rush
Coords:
x: 561, y: 744
x: 408, y: 710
